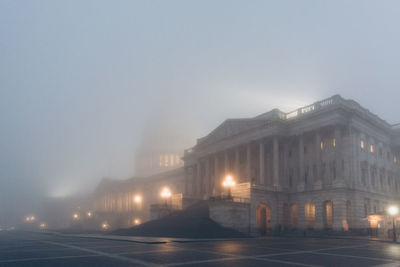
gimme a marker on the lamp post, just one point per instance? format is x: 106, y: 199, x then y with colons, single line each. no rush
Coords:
x: 229, y: 183
x: 394, y: 210
x: 166, y: 194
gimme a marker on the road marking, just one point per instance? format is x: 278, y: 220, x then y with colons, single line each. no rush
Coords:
x: 114, y: 256
x: 47, y: 258
x: 394, y: 264
x: 356, y: 257
x: 240, y: 258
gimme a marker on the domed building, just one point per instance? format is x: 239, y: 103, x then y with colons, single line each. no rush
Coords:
x: 162, y: 145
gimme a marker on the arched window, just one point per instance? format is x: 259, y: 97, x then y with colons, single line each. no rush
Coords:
x: 293, y: 215
x: 309, y: 212
x: 263, y: 216
x: 328, y: 214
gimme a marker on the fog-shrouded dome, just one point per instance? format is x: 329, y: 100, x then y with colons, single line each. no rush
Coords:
x: 163, y: 142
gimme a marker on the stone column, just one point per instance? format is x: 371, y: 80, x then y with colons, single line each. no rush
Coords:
x: 301, y: 159
x: 199, y: 180
x: 237, y: 165
x: 317, y: 159
x: 208, y: 188
x: 186, y: 181
x: 248, y: 163
x: 262, y: 163
x: 216, y: 179
x: 338, y: 154
x: 226, y: 163
x: 276, y: 161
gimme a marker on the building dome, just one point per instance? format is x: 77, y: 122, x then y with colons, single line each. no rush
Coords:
x: 162, y: 145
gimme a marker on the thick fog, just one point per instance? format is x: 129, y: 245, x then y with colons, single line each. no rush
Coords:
x: 81, y: 80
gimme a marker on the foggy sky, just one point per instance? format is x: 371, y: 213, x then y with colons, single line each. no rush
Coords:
x: 79, y: 80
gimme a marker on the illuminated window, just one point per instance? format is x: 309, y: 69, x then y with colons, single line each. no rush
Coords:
x: 328, y: 214
x: 372, y: 148
x: 334, y: 142
x: 166, y: 160
x: 396, y: 159
x: 322, y: 145
x: 293, y: 215
x: 362, y: 145
x: 309, y: 212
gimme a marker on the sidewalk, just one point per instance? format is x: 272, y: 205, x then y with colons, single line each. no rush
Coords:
x: 164, y: 240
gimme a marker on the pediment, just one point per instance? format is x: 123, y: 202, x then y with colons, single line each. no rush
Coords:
x: 230, y: 128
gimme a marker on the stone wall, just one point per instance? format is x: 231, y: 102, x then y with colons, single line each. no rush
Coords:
x: 230, y: 214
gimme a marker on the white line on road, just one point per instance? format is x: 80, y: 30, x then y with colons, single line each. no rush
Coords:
x: 47, y: 258
x: 100, y: 253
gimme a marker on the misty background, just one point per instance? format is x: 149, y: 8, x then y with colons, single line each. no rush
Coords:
x: 81, y: 80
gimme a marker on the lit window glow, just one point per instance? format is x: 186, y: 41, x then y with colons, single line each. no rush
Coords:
x: 362, y: 144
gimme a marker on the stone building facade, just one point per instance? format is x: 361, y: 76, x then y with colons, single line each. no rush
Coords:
x: 324, y: 166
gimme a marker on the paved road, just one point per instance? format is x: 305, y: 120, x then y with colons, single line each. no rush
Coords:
x: 34, y: 249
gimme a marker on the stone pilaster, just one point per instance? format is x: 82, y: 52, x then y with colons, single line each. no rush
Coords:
x: 237, y: 165
x: 248, y: 163
x: 276, y: 161
x: 262, y: 163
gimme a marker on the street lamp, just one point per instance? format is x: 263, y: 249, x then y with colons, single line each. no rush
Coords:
x: 166, y: 194
x: 394, y: 210
x: 89, y: 214
x: 75, y: 216
x: 136, y: 221
x: 138, y: 199
x: 228, y: 183
x: 105, y: 226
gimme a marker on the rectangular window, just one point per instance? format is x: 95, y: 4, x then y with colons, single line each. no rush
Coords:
x: 334, y: 142
x: 372, y: 148
x: 362, y: 145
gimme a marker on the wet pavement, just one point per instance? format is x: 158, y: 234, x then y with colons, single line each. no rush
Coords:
x: 38, y: 249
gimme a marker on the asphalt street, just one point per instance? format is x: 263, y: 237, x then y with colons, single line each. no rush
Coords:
x: 36, y: 249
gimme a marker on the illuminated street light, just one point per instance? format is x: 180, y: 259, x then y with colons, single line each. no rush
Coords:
x: 75, y: 216
x: 228, y: 183
x: 394, y: 210
x: 105, y: 226
x: 138, y: 199
x: 33, y: 218
x: 89, y: 214
x: 136, y: 221
x: 43, y: 226
x: 166, y: 194
x: 27, y: 219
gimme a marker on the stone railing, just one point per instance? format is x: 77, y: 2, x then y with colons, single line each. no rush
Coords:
x: 313, y: 107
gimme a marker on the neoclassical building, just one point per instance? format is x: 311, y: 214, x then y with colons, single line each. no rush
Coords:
x: 328, y: 165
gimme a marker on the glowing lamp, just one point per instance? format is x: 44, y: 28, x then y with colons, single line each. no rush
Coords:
x: 138, y: 199
x: 228, y: 182
x: 393, y: 210
x: 166, y: 193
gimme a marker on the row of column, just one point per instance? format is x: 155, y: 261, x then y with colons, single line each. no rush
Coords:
x: 203, y: 179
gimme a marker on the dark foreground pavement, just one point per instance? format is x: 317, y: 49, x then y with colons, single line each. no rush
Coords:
x: 35, y: 249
